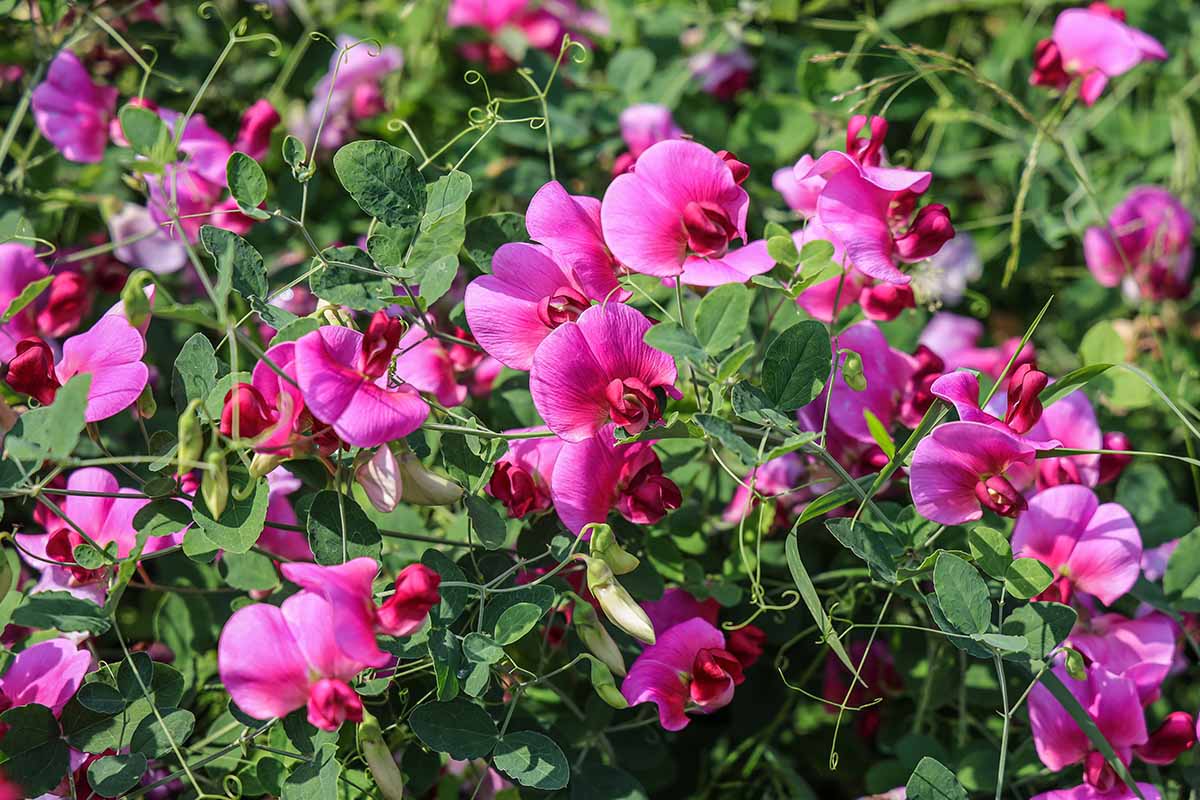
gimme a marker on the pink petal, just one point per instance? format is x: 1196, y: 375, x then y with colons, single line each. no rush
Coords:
x: 855, y: 210
x: 886, y: 377
x: 502, y: 308
x: 1059, y: 741
x: 48, y: 673
x: 615, y: 334
x: 425, y: 365
x: 655, y: 675
x: 736, y: 266
x: 1142, y: 649
x: 111, y: 353
x: 313, y: 623
x: 950, y: 461
x: 347, y: 590
x: 1107, y: 559
x: 570, y: 226
x: 583, y: 485
x: 261, y: 664
x: 1089, y: 41
x: 1116, y: 709
x: 1050, y: 529
x: 678, y: 606
x: 567, y: 383
x: 1103, y: 259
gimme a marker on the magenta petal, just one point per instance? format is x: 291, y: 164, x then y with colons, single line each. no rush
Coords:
x: 90, y: 513
x: 1059, y: 741
x: 313, y: 623
x: 677, y: 606
x: 347, y: 589
x: 1141, y: 649
x: 1102, y: 257
x: 886, y: 377
x: 1088, y: 41
x: 1052, y: 525
x: 615, y: 333
x: 570, y: 226
x: 260, y: 663
x: 1107, y: 559
x: 424, y: 364
x: 48, y: 673
x: 736, y: 266
x: 855, y: 210
x: 377, y: 415
x: 111, y: 352
x: 656, y: 675
x: 583, y: 485
x: 961, y: 389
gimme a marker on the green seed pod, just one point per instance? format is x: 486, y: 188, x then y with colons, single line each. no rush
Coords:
x: 214, y: 486
x: 595, y: 636
x: 147, y: 406
x: 133, y: 298
x: 604, y: 545
x: 378, y: 756
x: 191, y: 437
x: 616, y: 602
x: 852, y: 371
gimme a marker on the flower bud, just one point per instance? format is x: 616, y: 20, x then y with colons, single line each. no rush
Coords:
x: 423, y: 487
x: 31, y: 371
x: 1175, y: 736
x: 852, y: 371
x: 254, y: 132
x: 264, y: 464
x: 331, y: 702
x: 191, y: 437
x: 1113, y: 464
x: 214, y: 486
x: 379, y: 758
x: 416, y: 594
x: 616, y: 603
x: 146, y: 406
x: 379, y: 476
x: 605, y: 546
x: 134, y: 300
x: 594, y: 635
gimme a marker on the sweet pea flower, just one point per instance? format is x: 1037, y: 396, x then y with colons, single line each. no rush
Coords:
x: 962, y: 467
x: 1146, y: 248
x: 19, y: 267
x: 677, y: 606
x: 800, y: 195
x: 71, y: 111
x: 528, y: 294
x: 426, y: 365
x: 1094, y: 44
x: 522, y: 477
x: 290, y: 544
x: 880, y: 301
x: 274, y: 660
x: 142, y: 242
x: 598, y: 369
x: 955, y: 339
x: 344, y: 382
x: 254, y: 133
x: 682, y: 202
x: 686, y: 669
x: 777, y: 477
x: 48, y: 674
x: 595, y: 474
x: 1086, y: 791
x: 352, y: 91
x: 570, y: 227
x: 1091, y: 547
x: 1071, y: 421
x: 1113, y: 464
x: 643, y: 125
x: 1141, y: 649
x: 111, y: 353
x: 1022, y: 412
x: 355, y: 617
x: 270, y: 409
x: 722, y: 75
x: 540, y: 27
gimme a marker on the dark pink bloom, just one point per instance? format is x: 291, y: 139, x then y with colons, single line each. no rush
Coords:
x: 355, y: 93
x: 1071, y: 421
x: 31, y: 371
x: 522, y: 477
x: 778, y: 477
x: 1171, y: 739
x: 425, y: 364
x: 271, y: 408
x: 416, y: 592
x: 1091, y: 547
x: 569, y: 225
x: 289, y: 544
x: 19, y: 267
x: 955, y: 339
x: 677, y: 606
x: 273, y: 659
x: 963, y: 466
x: 722, y: 75
x: 594, y: 475
x: 682, y: 202
x: 343, y: 380
x: 73, y: 112
x: 528, y: 294
x: 599, y: 369
x: 541, y: 25
x: 48, y: 674
x: 64, y: 304
x: 799, y: 194
x: 254, y: 134
x: 927, y: 367
x: 1086, y: 791
x: 1021, y: 408
x: 1146, y: 246
x: 686, y: 669
x: 1141, y: 649
x: 1094, y: 44
x: 1113, y: 464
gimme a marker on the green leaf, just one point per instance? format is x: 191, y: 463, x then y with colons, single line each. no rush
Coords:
x: 1005, y: 643
x: 433, y: 262
x: 724, y: 433
x: 162, y: 517
x: 595, y: 781
x: 316, y: 779
x: 294, y: 151
x: 532, y: 759
x: 247, y: 181
x: 27, y: 296
x: 1085, y: 722
x: 454, y: 598
x: 445, y: 197
x: 147, y: 134
x: 325, y: 530
x: 249, y: 572
x: 674, y: 340
x: 962, y: 594
x: 358, y: 287
x: 241, y: 522
x: 752, y: 404
x: 1146, y: 492
x: 485, y: 235
x: 32, y: 751
x: 195, y: 372
x: 879, y: 433
x: 516, y: 621
x: 447, y: 659
x: 487, y: 524
x: 1181, y: 581
x: 932, y: 781
x: 808, y: 593
x: 61, y: 611
x: 991, y: 550
x: 796, y: 365
x: 152, y: 738
x: 51, y: 433
x: 731, y: 363
x: 113, y: 776
x: 238, y: 264
x: 458, y: 727
x: 1027, y: 577
x: 722, y: 317
x: 873, y: 543
x: 1075, y: 379
x: 383, y: 180
x: 101, y: 698
x: 782, y: 249
x: 629, y: 70
x: 481, y: 649
x: 835, y: 499
x: 1103, y: 345
x: 1044, y: 625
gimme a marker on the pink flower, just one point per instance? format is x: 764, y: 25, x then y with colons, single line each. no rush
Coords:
x: 736, y: 266
x: 1086, y: 791
x: 677, y: 606
x: 1146, y: 246
x: 869, y: 208
x: 1094, y: 44
x: 598, y: 369
x: 963, y: 466
x: 1071, y: 421
x: 146, y: 243
x: 1022, y: 412
x: 722, y: 75
x: 1113, y: 464
x: 1141, y: 649
x: 541, y: 24
x: 799, y: 194
x: 777, y: 477
x: 425, y: 364
x: 1092, y: 547
x: 955, y: 338
x: 254, y: 134
x: 355, y: 94
x: 528, y: 294
x: 343, y: 380
x: 1112, y: 703
x: 72, y: 111
x: 878, y: 673
x: 270, y: 407
x: 48, y: 674
x: 643, y: 125
x: 273, y: 660
x: 1171, y: 739
x: 523, y: 476
x: 595, y: 474
x: 356, y: 618
x: 569, y: 225
x: 1155, y: 559
x: 682, y: 202
x: 19, y: 267
x: 686, y: 669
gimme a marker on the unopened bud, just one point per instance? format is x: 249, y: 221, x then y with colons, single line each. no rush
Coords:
x: 852, y: 371
x: 134, y: 300
x: 378, y: 756
x: 331, y: 313
x: 191, y: 438
x: 424, y: 487
x: 147, y: 406
x: 264, y: 464
x: 1074, y: 664
x: 616, y: 603
x: 605, y: 546
x: 379, y: 476
x: 214, y: 486
x: 594, y: 635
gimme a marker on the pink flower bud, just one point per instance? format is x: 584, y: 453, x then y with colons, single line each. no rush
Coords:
x: 31, y: 371
x: 1176, y: 735
x: 708, y: 229
x: 1111, y: 466
x: 331, y: 702
x: 254, y: 134
x: 416, y: 593
x: 929, y: 231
